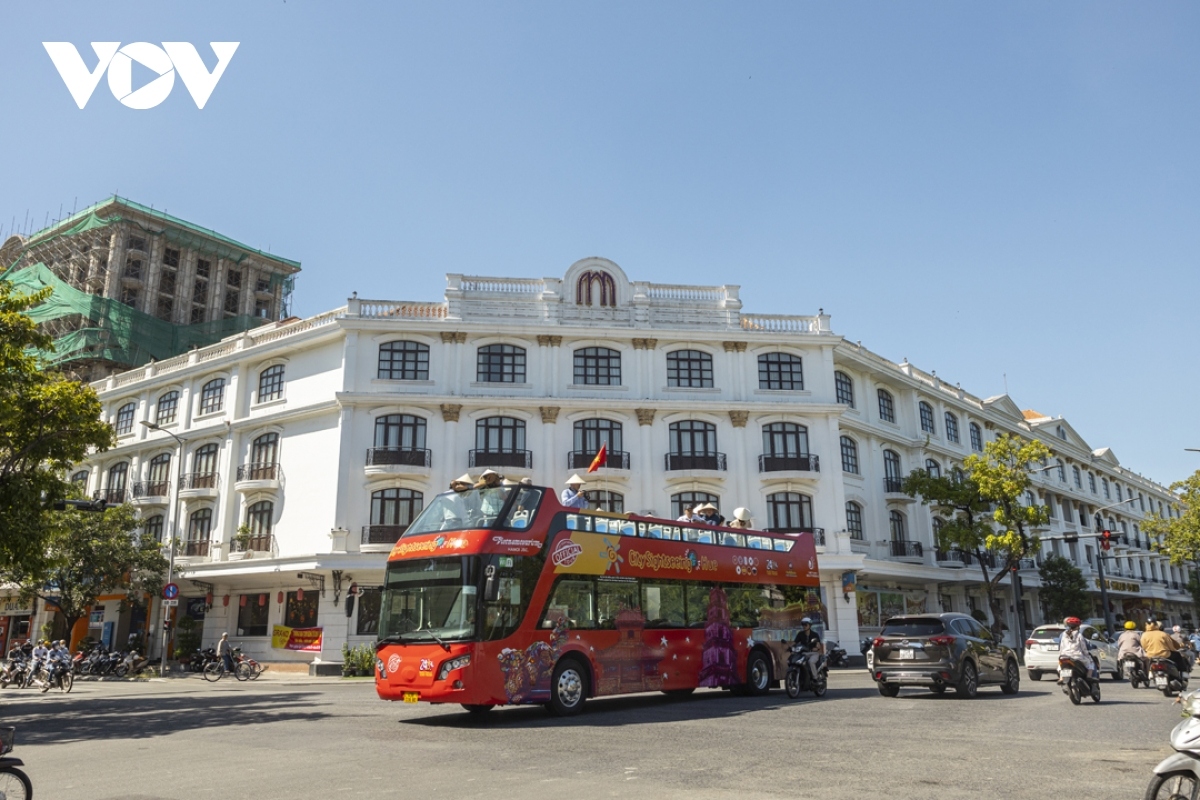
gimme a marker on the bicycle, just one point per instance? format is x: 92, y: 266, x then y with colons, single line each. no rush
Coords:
x: 247, y: 668
x: 215, y: 670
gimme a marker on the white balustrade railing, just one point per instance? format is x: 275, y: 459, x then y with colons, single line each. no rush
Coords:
x: 684, y: 293
x: 397, y: 309
x: 780, y: 323
x: 471, y: 283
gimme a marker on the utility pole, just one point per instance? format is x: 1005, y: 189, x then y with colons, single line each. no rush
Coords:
x: 1108, y: 620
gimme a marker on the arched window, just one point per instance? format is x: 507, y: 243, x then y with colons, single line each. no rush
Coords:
x: 694, y: 446
x: 854, y: 520
x: 1104, y: 485
x: 115, y: 488
x: 204, y: 468
x: 790, y: 512
x: 168, y: 405
x: 951, y: 428
x: 1062, y: 433
x: 976, y: 438
x: 849, y: 455
x: 1077, y: 477
x: 400, y: 439
x: 843, y: 388
x: 82, y: 477
x: 500, y: 363
x: 212, y: 396
x: 403, y: 361
x: 590, y: 435
x: 158, y: 476
x: 597, y: 366
x: 691, y: 500
x: 887, y: 406
x: 392, y: 511
x: 270, y: 383
x: 260, y: 518
x: 124, y: 423
x: 1062, y: 471
x: 604, y: 500
x: 898, y: 526
x: 198, y: 532
x: 780, y: 371
x: 500, y: 442
x: 1092, y: 482
x: 690, y: 369
x: 152, y: 528
x: 927, y: 424
x: 933, y: 468
x: 785, y: 447
x: 892, y: 476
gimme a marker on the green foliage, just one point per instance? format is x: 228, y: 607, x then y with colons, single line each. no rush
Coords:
x: 88, y: 554
x: 47, y: 423
x: 358, y: 661
x: 1064, y: 590
x: 1179, y: 537
x: 188, y: 636
x: 956, y: 500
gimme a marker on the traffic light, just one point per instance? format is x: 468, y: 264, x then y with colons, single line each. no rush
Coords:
x: 1106, y: 540
x: 1070, y: 536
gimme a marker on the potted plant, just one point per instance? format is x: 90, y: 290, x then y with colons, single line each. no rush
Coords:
x: 241, y: 541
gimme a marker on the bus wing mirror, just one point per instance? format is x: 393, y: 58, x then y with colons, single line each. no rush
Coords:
x: 491, y: 587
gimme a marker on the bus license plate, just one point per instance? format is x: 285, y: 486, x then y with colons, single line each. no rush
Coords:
x: 906, y: 653
x: 412, y: 697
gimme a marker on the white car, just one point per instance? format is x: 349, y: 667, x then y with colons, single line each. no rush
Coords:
x: 1041, y: 651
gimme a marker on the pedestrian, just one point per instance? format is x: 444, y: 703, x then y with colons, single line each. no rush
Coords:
x: 225, y: 652
x: 573, y: 496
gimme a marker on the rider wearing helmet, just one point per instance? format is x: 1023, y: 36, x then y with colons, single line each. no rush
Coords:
x: 1129, y: 643
x: 1072, y: 645
x: 1158, y: 644
x: 811, y: 641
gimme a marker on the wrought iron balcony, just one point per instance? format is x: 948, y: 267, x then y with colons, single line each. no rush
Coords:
x: 151, y: 489
x: 713, y: 461
x: 904, y: 549
x: 893, y: 485
x: 260, y: 471
x: 264, y: 543
x: 582, y: 459
x: 952, y: 558
x: 382, y: 534
x: 800, y: 463
x: 199, y: 480
x: 522, y: 459
x: 114, y: 496
x: 194, y: 548
x: 398, y: 456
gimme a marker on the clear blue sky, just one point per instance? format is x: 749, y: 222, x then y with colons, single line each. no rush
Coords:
x: 987, y: 189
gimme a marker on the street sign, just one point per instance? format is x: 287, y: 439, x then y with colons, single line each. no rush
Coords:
x: 170, y: 591
x: 171, y: 603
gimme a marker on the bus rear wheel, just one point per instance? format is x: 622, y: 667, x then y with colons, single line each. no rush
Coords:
x: 568, y: 688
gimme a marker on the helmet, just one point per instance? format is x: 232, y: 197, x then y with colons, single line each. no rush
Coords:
x: 1071, y: 622
x: 806, y: 621
x: 1130, y: 625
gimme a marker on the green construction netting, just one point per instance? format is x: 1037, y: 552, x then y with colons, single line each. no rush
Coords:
x: 107, y: 329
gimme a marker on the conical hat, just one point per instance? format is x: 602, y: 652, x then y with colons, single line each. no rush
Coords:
x: 464, y: 478
x: 575, y: 479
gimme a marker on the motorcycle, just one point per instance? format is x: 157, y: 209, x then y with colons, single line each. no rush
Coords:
x: 836, y: 654
x: 1134, y: 670
x: 866, y: 646
x: 14, y: 672
x: 58, y: 673
x: 14, y: 783
x: 1076, y: 680
x: 131, y: 664
x: 799, y: 677
x: 1179, y: 773
x: 1166, y: 676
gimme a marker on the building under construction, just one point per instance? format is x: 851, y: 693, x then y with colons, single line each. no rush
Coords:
x: 132, y: 285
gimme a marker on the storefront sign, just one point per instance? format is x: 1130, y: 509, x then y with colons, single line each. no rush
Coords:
x: 12, y: 606
x: 285, y: 638
x: 1119, y: 586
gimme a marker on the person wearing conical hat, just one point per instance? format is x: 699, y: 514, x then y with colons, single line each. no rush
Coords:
x: 572, y: 496
x: 741, y: 518
x: 491, y: 496
x: 462, y: 483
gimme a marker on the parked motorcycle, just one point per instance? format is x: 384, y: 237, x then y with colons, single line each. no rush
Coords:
x: 836, y: 654
x: 1166, y: 677
x: 1134, y: 670
x: 799, y: 677
x: 1178, y: 775
x: 1076, y: 680
x: 14, y: 783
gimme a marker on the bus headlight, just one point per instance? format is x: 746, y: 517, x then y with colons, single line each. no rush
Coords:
x: 382, y: 669
x: 451, y: 665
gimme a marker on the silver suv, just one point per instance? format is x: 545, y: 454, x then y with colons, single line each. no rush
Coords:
x: 939, y: 651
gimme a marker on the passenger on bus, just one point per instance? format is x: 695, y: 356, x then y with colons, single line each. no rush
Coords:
x: 572, y: 496
x: 741, y: 518
x: 687, y: 515
x: 455, y: 512
x: 707, y: 513
x: 491, y: 495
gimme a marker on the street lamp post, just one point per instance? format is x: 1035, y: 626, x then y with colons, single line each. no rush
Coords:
x: 173, y: 527
x: 1099, y: 526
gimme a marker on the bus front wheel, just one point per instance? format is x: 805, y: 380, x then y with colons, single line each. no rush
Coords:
x: 758, y: 674
x: 568, y: 688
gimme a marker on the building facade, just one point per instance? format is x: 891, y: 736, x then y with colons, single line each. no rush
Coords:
x: 306, y: 447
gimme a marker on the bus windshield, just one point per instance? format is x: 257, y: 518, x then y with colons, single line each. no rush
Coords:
x: 478, y: 508
x: 430, y: 600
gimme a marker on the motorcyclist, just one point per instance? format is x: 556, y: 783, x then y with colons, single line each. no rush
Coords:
x: 1129, y: 643
x: 1158, y: 644
x: 1072, y: 645
x: 811, y: 641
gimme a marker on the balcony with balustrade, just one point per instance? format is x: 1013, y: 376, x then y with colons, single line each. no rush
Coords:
x: 387, y: 461
x: 260, y: 546
x: 691, y: 462
x: 893, y: 491
x: 502, y: 459
x: 199, y: 485
x: 258, y: 477
x: 150, y: 493
x: 909, y: 552
x: 380, y: 538
x: 793, y: 467
x: 582, y: 459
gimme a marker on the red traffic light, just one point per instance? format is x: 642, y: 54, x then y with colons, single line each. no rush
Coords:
x: 1104, y: 545
x: 1106, y: 540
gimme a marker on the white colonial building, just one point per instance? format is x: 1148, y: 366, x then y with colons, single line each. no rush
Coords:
x: 301, y: 450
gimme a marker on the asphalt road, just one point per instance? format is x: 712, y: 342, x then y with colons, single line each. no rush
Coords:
x: 185, y: 738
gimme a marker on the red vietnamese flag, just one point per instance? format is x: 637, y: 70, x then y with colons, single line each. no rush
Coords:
x: 601, y: 458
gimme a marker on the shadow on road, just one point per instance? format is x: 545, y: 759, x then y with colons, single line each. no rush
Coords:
x: 147, y: 717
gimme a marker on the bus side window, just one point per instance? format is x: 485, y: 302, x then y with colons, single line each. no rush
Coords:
x: 628, y: 529
x: 573, y: 599
x: 674, y: 533
x: 656, y: 532
x: 703, y: 537
x: 688, y: 534
x: 783, y: 545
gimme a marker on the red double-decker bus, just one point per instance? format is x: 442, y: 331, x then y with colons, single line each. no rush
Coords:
x: 501, y: 595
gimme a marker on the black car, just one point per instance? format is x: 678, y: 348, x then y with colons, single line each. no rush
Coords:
x: 939, y: 651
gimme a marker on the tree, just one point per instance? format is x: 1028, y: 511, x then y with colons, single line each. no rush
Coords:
x: 89, y: 554
x: 982, y: 510
x: 47, y: 423
x: 1064, y: 590
x: 1178, y: 536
